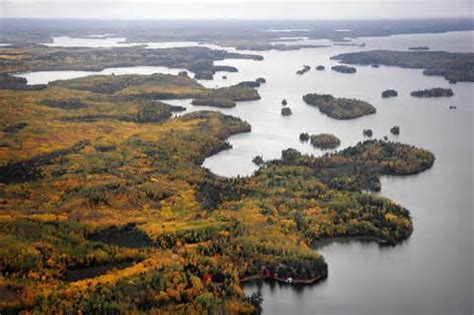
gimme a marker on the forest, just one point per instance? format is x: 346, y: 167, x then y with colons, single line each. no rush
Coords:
x: 452, y: 66
x: 338, y: 107
x: 33, y: 57
x: 433, y: 92
x: 325, y: 141
x: 105, y: 206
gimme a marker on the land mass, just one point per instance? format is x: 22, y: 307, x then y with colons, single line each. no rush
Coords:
x: 325, y: 141
x: 339, y: 108
x: 453, y: 67
x: 344, y: 69
x: 434, y: 92
x: 200, y: 60
x: 105, y: 208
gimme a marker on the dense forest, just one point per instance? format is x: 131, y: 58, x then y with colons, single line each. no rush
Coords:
x: 325, y: 141
x: 105, y: 206
x: 200, y: 60
x: 433, y: 92
x: 452, y: 66
x: 338, y: 107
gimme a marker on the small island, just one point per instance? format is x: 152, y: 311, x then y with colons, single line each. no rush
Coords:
x: 325, y: 141
x: 368, y: 133
x: 339, y: 108
x: 305, y: 69
x: 395, y: 130
x: 320, y: 68
x: 286, y: 111
x: 284, y: 102
x: 344, y: 69
x: 434, y: 92
x: 389, y: 93
x: 304, y: 136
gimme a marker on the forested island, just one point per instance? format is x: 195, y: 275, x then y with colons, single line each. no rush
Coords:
x: 433, y: 92
x: 302, y: 71
x: 286, y: 111
x: 106, y: 208
x: 389, y: 93
x: 325, y: 141
x: 395, y: 130
x: 339, y: 108
x: 344, y: 69
x: 368, y: 133
x: 453, y: 67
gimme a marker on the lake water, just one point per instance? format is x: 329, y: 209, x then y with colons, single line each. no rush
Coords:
x: 107, y: 40
x: 89, y: 41
x: 44, y: 77
x: 430, y: 273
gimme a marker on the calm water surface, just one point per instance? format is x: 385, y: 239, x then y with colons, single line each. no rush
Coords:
x: 430, y: 273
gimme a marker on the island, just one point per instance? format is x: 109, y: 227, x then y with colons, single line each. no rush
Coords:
x: 434, y: 92
x: 389, y: 93
x: 320, y: 68
x: 284, y: 102
x: 339, y: 108
x: 452, y: 66
x: 368, y: 133
x: 304, y: 136
x: 304, y: 70
x: 344, y: 69
x: 286, y: 111
x: 325, y: 141
x: 395, y: 130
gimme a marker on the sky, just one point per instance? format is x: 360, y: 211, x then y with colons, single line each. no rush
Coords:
x: 236, y: 9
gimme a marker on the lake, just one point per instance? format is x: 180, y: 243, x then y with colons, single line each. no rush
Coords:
x: 431, y: 272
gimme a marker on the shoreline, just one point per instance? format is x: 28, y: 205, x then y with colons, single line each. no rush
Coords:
x: 256, y: 278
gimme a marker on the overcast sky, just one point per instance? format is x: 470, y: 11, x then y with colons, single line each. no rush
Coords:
x: 236, y: 9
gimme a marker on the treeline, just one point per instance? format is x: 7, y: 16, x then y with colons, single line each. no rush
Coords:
x: 452, y: 66
x: 339, y: 108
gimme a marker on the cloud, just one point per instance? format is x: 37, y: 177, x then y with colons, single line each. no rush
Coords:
x: 235, y: 9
